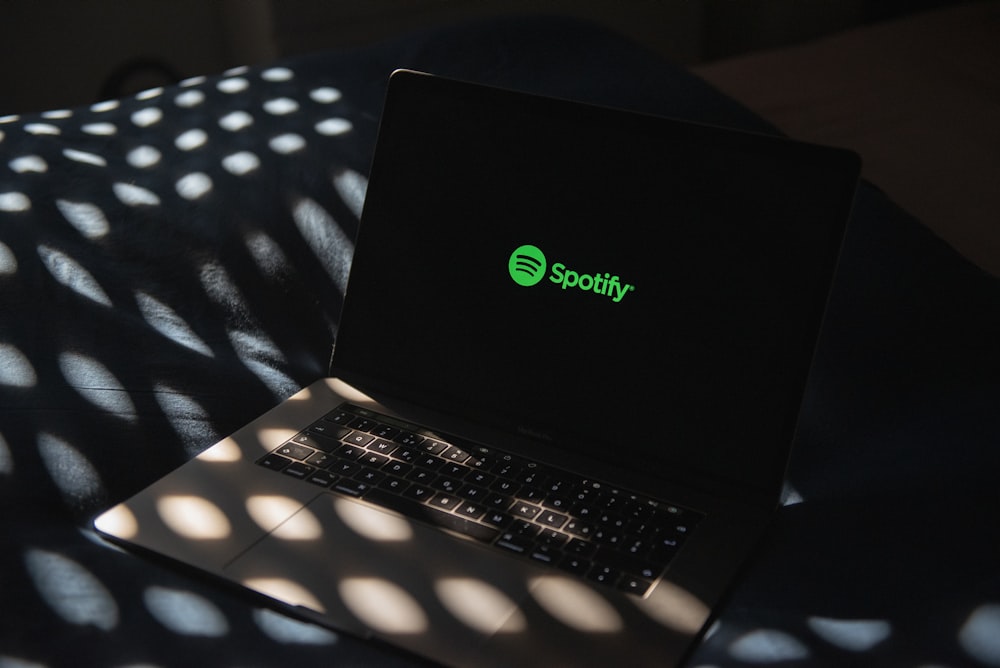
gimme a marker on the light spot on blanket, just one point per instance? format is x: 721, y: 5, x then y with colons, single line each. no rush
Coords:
x: 15, y: 368
x: 29, y: 164
x: 188, y: 418
x: 235, y: 121
x: 267, y: 254
x: 147, y: 117
x: 14, y: 201
x: 190, y: 140
x: 73, y: 592
x: 6, y: 459
x: 104, y: 106
x: 331, y: 127
x: 352, y: 188
x: 287, y: 143
x: 233, y: 85
x: 97, y: 384
x: 980, y: 634
x: 185, y: 613
x: 767, y: 646
x: 193, y: 81
x: 281, y: 106
x: 100, y: 129
x: 327, y: 240
x: 194, y: 186
x: 276, y: 74
x: 143, y: 156
x: 853, y: 635
x: 73, y: 473
x: 325, y: 95
x: 291, y: 631
x: 56, y: 114
x: 189, y: 99
x: 87, y: 218
x: 149, y: 93
x: 170, y: 324
x: 85, y: 157
x: 133, y: 195
x: 262, y: 357
x: 8, y: 261
x: 42, y: 129
x: 241, y: 163
x: 70, y: 273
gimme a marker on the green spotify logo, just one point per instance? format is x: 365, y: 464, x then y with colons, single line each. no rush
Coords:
x: 527, y: 267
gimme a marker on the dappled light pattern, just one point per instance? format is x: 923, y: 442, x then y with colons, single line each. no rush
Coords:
x: 768, y: 646
x: 286, y: 630
x: 71, y: 590
x: 980, y: 634
x: 185, y: 613
x: 172, y: 264
x: 152, y: 252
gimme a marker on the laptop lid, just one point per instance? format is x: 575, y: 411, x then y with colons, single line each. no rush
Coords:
x: 624, y: 286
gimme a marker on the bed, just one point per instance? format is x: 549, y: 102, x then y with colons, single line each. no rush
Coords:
x: 172, y: 265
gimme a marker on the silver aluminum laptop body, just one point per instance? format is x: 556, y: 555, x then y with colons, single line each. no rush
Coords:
x: 662, y: 349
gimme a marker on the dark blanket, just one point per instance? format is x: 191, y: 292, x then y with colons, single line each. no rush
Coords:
x: 172, y: 265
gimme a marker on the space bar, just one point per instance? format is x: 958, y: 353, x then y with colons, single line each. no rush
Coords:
x: 419, y: 511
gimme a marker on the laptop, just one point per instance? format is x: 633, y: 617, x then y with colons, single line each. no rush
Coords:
x: 565, y: 385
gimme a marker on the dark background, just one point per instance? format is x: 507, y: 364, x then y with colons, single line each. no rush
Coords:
x: 64, y: 53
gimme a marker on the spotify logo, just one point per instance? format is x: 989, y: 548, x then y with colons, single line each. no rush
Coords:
x: 527, y: 266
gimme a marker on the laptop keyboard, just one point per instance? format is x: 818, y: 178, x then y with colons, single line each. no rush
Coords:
x: 520, y: 507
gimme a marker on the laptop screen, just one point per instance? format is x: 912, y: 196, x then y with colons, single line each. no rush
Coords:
x: 620, y: 284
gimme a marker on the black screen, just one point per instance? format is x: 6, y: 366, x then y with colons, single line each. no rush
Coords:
x: 702, y: 259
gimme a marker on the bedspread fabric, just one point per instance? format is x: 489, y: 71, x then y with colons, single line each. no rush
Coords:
x: 172, y: 264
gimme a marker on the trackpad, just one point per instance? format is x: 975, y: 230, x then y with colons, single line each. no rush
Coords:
x: 372, y: 572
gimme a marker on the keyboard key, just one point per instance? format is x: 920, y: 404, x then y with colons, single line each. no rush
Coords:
x: 634, y: 585
x: 350, y: 451
x: 525, y: 510
x: 373, y: 459
x: 340, y: 417
x: 433, y: 447
x: 385, y: 431
x: 418, y: 493
x: 322, y: 478
x: 397, y: 468
x: 514, y: 543
x: 358, y: 438
x: 552, y: 519
x: 445, y: 501
x: 545, y: 554
x: 362, y: 424
x: 369, y: 476
x: 397, y: 485
x: 604, y: 575
x: 497, y: 519
x: 382, y: 446
x: 298, y: 470
x: 472, y: 510
x: 274, y: 461
x: 409, y: 438
x: 575, y: 565
x: 455, y: 454
x: 320, y: 460
x: 351, y: 487
x: 294, y: 451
